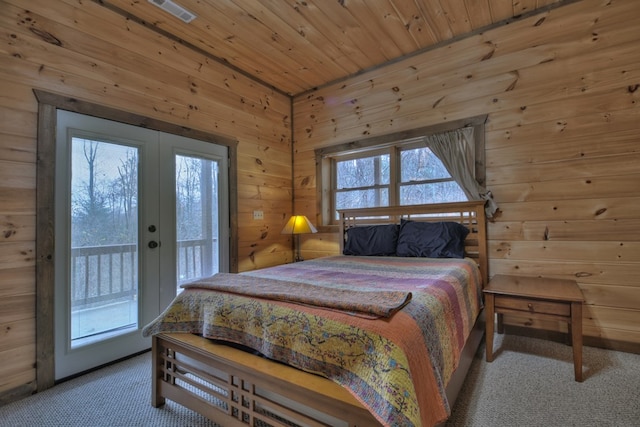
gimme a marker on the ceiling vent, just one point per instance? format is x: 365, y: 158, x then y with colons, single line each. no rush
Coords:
x: 174, y: 9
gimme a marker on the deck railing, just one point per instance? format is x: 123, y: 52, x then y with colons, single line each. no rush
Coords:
x: 109, y: 273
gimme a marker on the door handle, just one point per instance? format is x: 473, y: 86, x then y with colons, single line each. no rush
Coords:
x: 153, y: 244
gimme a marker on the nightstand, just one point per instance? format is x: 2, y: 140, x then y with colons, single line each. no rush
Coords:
x: 536, y: 298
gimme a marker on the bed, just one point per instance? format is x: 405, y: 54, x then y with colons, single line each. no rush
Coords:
x: 368, y: 338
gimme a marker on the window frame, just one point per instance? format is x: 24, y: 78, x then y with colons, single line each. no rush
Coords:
x: 392, y: 144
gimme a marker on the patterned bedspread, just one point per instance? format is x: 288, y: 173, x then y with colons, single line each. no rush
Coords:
x: 397, y: 367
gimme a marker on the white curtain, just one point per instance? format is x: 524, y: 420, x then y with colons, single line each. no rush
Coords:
x: 456, y: 151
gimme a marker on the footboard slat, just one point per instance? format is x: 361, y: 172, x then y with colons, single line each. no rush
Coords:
x: 235, y: 388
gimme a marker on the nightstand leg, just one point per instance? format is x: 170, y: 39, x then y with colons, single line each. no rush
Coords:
x: 489, y: 321
x: 576, y: 338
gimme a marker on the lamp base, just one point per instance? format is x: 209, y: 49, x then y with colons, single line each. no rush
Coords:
x: 298, y: 257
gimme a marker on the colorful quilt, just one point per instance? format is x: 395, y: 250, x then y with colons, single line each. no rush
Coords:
x: 372, y: 303
x: 397, y: 366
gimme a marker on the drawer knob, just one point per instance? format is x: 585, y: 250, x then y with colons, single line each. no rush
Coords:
x: 530, y: 306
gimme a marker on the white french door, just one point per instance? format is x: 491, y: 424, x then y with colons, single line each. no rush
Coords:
x: 138, y: 212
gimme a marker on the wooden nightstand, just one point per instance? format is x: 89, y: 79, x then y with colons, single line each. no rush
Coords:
x: 536, y: 298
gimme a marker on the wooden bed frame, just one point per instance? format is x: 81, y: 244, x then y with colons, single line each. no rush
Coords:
x: 234, y: 387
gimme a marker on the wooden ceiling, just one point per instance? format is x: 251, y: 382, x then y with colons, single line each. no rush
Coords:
x: 297, y: 45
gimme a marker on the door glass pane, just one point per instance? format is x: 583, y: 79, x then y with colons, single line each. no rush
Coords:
x: 104, y: 240
x: 197, y: 246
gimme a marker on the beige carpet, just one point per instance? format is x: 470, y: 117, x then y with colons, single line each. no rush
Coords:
x: 530, y: 383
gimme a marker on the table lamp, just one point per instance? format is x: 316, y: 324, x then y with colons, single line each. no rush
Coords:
x: 297, y: 225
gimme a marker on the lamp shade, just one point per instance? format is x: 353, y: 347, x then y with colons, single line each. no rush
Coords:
x: 299, y: 224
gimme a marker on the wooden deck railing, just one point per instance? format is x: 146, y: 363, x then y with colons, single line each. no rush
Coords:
x: 109, y: 273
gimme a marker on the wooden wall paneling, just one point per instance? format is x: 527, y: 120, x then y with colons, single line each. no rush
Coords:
x: 556, y: 51
x: 505, y: 91
x: 560, y: 142
x: 597, y: 122
x: 117, y: 30
x: 17, y: 281
x: 583, y: 209
x: 589, y: 251
x: 398, y: 74
x: 578, y: 167
x: 574, y: 21
x: 583, y: 147
x: 616, y: 339
x: 595, y: 187
x: 17, y: 333
x: 568, y: 230
x: 275, y: 166
x: 264, y: 192
x: 620, y: 296
x: 624, y: 97
x: 612, y: 318
x: 85, y: 52
x: 18, y: 201
x: 134, y: 70
x: 17, y: 349
x: 19, y: 373
x: 17, y: 255
x: 615, y: 273
x: 17, y: 174
x: 17, y: 148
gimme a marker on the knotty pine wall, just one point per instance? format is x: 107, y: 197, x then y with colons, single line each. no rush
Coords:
x: 561, y: 90
x: 82, y: 50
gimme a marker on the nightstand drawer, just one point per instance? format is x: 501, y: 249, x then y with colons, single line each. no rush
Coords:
x: 533, y: 306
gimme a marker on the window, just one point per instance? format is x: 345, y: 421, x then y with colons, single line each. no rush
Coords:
x: 391, y: 171
x: 365, y: 179
x: 361, y: 181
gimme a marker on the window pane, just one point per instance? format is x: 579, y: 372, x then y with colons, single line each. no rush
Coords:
x: 421, y: 164
x: 435, y: 192
x: 363, y: 172
x: 362, y: 198
x: 104, y: 239
x: 196, y: 218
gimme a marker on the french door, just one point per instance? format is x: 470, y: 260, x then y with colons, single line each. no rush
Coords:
x: 138, y: 212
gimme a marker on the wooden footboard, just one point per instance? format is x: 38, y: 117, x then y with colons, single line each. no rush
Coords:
x: 235, y: 388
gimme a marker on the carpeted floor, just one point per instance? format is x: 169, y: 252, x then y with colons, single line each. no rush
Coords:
x: 530, y: 383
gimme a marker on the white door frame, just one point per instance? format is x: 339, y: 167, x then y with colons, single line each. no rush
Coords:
x: 48, y: 103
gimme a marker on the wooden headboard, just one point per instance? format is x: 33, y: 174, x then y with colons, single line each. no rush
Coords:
x: 469, y: 214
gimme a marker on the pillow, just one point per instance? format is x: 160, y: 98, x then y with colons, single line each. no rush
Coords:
x: 372, y: 240
x: 431, y: 239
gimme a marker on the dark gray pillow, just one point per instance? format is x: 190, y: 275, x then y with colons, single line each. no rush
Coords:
x: 372, y: 240
x: 431, y: 239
